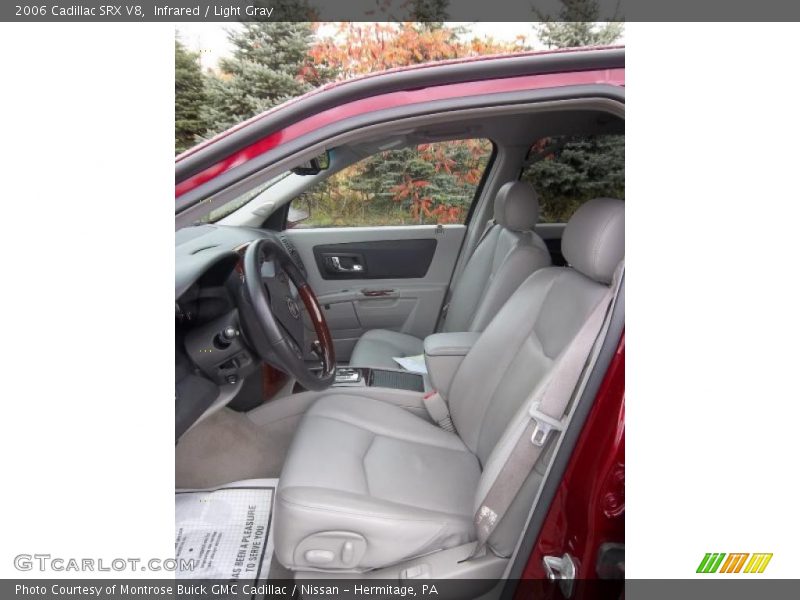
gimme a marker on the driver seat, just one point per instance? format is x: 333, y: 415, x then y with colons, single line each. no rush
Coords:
x: 368, y: 484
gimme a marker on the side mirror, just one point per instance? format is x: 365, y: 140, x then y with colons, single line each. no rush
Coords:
x: 314, y: 166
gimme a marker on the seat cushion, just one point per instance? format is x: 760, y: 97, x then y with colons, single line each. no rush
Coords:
x: 368, y: 484
x: 378, y: 347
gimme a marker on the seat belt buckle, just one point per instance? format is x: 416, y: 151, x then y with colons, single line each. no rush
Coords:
x: 438, y: 411
x: 544, y: 425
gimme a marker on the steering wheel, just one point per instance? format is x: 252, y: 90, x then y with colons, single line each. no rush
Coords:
x: 273, y: 322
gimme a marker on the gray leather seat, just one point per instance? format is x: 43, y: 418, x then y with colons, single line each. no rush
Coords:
x: 367, y: 484
x: 508, y: 253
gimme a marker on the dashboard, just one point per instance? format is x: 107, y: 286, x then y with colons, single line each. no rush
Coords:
x: 211, y: 356
x: 214, y: 250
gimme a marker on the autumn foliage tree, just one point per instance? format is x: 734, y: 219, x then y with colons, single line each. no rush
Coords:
x: 420, y: 183
x: 435, y: 183
x: 359, y: 48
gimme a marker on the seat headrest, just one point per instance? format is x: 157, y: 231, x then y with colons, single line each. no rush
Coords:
x: 516, y: 206
x: 594, y: 238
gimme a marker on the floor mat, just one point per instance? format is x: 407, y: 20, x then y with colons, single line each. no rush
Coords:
x: 226, y: 531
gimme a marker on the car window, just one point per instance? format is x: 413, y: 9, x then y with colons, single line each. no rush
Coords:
x: 569, y: 170
x: 418, y: 185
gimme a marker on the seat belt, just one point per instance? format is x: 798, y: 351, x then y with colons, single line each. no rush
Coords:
x: 438, y: 411
x: 489, y: 226
x: 547, y: 406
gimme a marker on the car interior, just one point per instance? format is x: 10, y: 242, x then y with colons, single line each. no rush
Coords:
x: 288, y: 331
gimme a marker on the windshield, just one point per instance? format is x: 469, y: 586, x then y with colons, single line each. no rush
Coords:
x: 233, y: 205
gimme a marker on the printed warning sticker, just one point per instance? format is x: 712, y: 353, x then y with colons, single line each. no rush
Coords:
x: 224, y: 533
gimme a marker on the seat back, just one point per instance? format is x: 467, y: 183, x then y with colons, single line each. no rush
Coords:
x: 519, y: 346
x: 508, y: 253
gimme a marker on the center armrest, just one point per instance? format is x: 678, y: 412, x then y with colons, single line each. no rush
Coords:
x: 443, y: 355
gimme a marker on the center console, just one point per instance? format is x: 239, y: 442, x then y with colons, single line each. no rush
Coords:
x: 385, y: 378
x: 444, y: 353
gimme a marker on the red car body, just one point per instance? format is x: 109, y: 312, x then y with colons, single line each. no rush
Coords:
x: 588, y: 508
x: 384, y: 101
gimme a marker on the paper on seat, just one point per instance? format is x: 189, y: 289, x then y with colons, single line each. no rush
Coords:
x: 225, y: 531
x: 413, y: 364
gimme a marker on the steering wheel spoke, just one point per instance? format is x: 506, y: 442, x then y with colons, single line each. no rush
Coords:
x: 273, y: 317
x: 293, y: 342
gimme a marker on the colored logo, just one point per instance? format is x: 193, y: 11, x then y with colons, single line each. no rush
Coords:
x: 742, y: 562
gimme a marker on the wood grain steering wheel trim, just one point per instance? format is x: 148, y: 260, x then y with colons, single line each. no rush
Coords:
x: 320, y: 327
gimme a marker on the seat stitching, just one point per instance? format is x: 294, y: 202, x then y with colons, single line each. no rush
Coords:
x: 560, y: 275
x: 508, y: 366
x: 427, y: 542
x: 442, y: 519
x: 399, y: 439
x: 489, y: 280
x: 490, y: 288
x: 364, y: 465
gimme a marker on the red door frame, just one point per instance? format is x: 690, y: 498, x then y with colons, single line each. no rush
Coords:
x: 348, y: 110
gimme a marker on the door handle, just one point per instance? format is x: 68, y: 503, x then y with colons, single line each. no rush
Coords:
x: 338, y: 267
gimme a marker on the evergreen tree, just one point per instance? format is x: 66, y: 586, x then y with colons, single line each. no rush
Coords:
x: 419, y: 184
x: 568, y: 171
x: 189, y: 98
x: 430, y: 13
x: 575, y: 169
x: 576, y: 26
x: 265, y: 71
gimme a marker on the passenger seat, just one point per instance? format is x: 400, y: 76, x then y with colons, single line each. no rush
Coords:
x: 506, y: 255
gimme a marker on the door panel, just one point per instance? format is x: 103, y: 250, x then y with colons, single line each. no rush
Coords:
x: 385, y: 313
x: 386, y: 259
x: 402, y: 283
